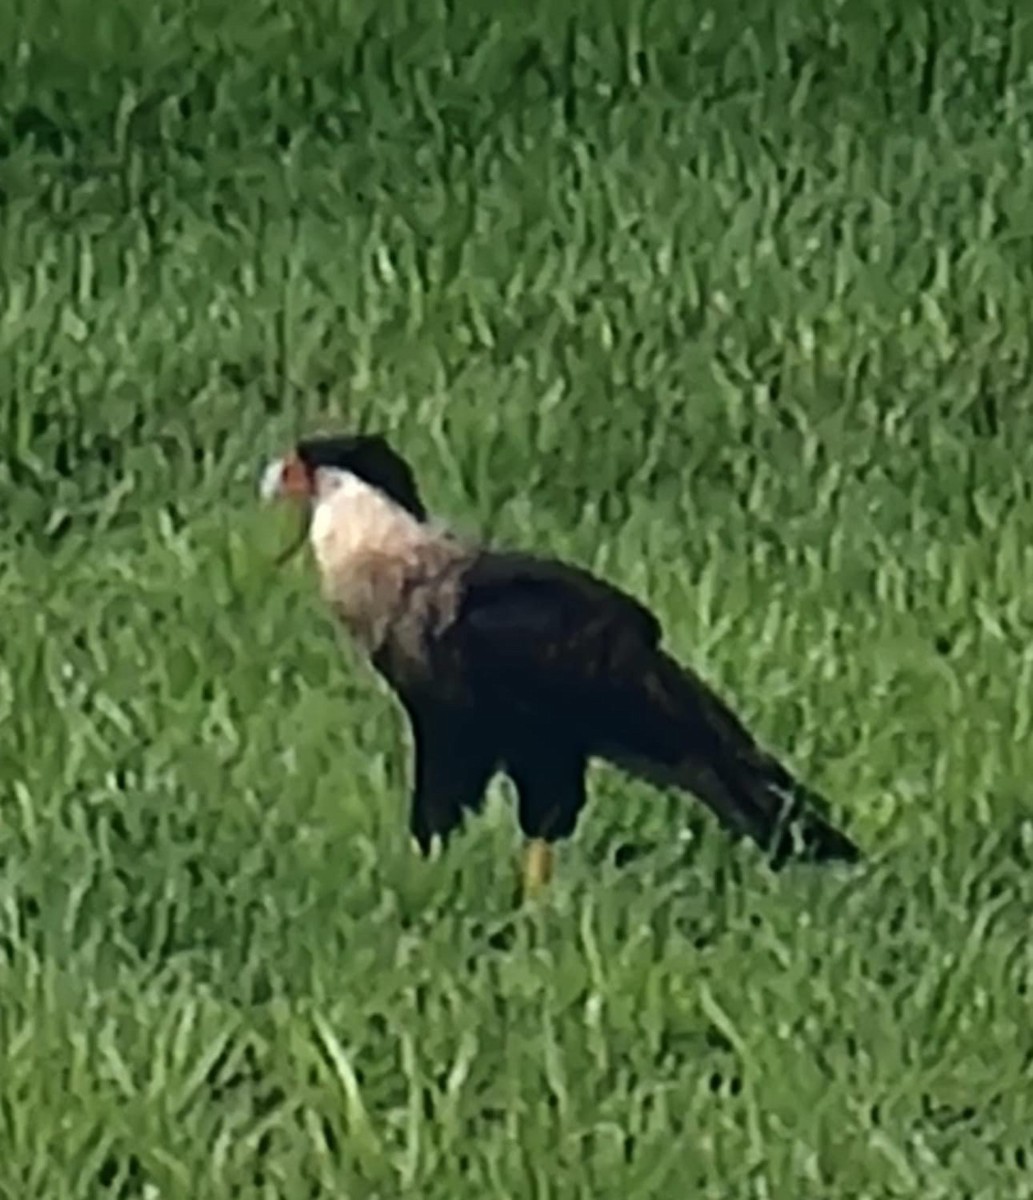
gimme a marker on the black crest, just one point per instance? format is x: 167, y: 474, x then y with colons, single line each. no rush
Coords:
x: 371, y: 458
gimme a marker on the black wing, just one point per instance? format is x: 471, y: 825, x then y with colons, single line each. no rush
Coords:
x: 539, y: 636
x: 520, y: 675
x: 569, y: 663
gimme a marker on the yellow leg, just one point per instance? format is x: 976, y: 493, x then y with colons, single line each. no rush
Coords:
x: 538, y: 867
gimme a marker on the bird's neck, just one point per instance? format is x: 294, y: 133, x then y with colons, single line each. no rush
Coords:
x: 369, y: 552
x: 355, y: 519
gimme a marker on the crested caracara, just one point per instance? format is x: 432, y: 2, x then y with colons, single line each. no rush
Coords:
x: 508, y: 662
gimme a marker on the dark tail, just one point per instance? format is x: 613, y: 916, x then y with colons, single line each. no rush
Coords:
x: 682, y: 734
x: 787, y: 816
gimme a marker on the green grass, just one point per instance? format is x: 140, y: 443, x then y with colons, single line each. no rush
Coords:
x: 733, y: 305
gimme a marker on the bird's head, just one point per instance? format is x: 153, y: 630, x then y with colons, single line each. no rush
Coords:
x: 318, y: 466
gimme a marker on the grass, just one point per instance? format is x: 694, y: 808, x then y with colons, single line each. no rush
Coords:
x: 732, y: 304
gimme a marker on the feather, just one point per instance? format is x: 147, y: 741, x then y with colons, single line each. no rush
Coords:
x: 525, y: 664
x: 561, y: 667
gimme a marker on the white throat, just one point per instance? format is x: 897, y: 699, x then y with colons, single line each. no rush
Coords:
x: 371, y: 553
x: 353, y: 519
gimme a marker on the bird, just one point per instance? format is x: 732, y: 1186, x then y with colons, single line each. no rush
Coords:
x: 508, y: 662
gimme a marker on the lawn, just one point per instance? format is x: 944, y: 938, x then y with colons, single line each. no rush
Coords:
x: 732, y: 304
